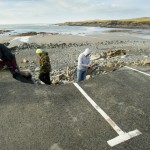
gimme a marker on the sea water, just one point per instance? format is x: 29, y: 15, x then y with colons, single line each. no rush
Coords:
x: 74, y: 30
x: 23, y: 28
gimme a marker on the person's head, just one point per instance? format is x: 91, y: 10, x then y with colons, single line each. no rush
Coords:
x: 87, y: 52
x: 39, y: 51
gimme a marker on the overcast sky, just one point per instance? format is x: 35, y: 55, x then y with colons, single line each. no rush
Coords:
x: 57, y: 11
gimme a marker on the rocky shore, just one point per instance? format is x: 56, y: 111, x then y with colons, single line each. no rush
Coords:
x: 107, y: 55
x: 5, y: 31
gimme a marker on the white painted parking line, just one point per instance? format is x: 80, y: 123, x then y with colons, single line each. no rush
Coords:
x: 123, y: 136
x: 137, y: 70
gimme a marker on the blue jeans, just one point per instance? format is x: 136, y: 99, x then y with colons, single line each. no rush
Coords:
x: 81, y: 75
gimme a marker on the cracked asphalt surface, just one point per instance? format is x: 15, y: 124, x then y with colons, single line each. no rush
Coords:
x: 60, y: 118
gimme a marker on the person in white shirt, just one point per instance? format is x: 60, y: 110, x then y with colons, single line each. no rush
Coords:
x: 83, y: 64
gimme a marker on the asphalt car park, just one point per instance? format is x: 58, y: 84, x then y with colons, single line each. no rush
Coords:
x: 62, y: 118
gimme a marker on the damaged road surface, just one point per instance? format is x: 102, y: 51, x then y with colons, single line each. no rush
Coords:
x: 41, y: 117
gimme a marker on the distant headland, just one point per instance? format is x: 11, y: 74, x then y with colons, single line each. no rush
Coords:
x: 143, y: 23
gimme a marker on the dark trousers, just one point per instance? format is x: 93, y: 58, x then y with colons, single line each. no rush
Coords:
x: 12, y: 65
x: 45, y: 77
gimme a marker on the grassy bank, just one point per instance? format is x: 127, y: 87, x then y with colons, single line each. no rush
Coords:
x: 126, y: 23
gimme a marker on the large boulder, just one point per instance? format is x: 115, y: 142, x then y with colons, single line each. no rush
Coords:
x: 114, y: 53
x: 146, y: 62
x: 109, y: 66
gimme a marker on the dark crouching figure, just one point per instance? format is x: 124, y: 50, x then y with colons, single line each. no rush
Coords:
x: 45, y: 66
x: 8, y: 59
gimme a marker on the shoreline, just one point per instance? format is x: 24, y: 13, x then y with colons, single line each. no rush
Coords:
x: 57, y: 37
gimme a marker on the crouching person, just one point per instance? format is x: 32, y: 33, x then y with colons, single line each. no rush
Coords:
x: 83, y: 64
x: 8, y: 59
x: 45, y: 66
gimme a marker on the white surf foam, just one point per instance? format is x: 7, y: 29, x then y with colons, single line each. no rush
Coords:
x: 24, y: 39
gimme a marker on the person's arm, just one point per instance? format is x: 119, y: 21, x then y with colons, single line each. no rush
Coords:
x: 89, y: 64
x: 42, y: 63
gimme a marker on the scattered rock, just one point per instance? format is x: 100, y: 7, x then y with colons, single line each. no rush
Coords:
x: 5, y: 31
x: 115, y: 53
x: 88, y: 77
x: 25, y: 60
x: 109, y: 66
x: 37, y: 69
x: 27, y: 34
x: 55, y: 82
x: 103, y: 62
x: 146, y: 62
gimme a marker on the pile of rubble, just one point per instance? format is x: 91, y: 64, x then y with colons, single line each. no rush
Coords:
x: 103, y: 63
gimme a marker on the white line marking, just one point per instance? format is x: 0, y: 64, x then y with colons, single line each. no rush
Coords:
x: 123, y: 136
x: 106, y: 117
x: 137, y: 70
